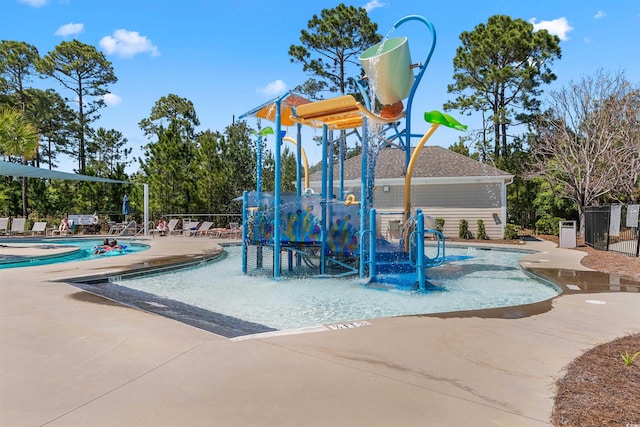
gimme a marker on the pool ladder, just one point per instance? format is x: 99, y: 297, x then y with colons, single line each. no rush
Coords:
x: 422, y: 261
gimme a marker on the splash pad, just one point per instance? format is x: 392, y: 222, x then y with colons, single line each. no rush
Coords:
x: 328, y: 232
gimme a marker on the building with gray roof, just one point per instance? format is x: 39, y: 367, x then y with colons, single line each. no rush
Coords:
x: 444, y: 185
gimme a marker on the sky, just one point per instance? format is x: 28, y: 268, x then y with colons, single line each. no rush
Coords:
x: 229, y: 57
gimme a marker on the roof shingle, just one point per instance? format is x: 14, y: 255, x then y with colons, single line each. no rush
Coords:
x: 432, y: 162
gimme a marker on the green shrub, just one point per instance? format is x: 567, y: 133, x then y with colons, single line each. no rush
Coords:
x: 548, y: 225
x: 482, y: 232
x: 440, y: 224
x: 463, y: 229
x: 511, y: 231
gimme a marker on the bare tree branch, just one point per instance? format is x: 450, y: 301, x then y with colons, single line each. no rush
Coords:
x: 588, y: 141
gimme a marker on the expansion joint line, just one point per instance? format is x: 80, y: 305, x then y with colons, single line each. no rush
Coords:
x: 124, y: 384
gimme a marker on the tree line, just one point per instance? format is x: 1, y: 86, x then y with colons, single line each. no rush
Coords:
x: 572, y: 147
x: 187, y: 171
x: 578, y: 146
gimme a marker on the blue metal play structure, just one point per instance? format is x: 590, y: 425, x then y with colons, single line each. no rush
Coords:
x: 328, y: 234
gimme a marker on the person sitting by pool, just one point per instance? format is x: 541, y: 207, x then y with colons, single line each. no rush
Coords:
x: 64, y: 224
x: 162, y: 227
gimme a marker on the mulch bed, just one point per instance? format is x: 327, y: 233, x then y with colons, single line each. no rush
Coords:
x: 599, y: 389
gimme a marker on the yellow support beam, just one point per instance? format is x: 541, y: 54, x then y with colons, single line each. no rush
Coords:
x: 342, y: 112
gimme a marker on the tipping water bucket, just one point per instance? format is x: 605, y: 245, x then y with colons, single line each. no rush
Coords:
x: 388, y: 67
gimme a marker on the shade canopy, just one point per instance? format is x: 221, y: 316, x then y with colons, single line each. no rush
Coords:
x: 267, y: 111
x: 16, y: 169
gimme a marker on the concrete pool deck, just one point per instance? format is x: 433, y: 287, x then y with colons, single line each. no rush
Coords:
x: 70, y: 358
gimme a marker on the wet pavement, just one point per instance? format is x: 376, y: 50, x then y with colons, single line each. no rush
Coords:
x: 70, y: 358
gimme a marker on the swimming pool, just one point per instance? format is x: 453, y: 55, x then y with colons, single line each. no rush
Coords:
x: 485, y: 279
x: 83, y: 251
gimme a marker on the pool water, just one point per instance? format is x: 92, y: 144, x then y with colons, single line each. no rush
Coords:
x: 481, y: 279
x: 85, y: 252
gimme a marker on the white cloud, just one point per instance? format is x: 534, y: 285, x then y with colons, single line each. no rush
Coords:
x: 600, y: 14
x: 111, y: 99
x: 127, y: 44
x: 559, y: 27
x: 587, y: 40
x: 69, y: 29
x: 275, y: 88
x: 34, y: 3
x: 373, y: 4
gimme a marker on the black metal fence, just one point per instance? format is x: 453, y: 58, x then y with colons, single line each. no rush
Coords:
x: 613, y: 228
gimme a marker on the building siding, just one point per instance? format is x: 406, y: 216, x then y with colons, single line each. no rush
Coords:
x: 452, y: 202
x: 452, y: 218
x: 452, y: 196
x: 445, y: 185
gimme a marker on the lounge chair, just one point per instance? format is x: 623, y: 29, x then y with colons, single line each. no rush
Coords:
x: 203, y: 229
x: 4, y: 226
x: 232, y: 231
x: 64, y: 232
x: 116, y: 227
x: 171, y: 226
x: 189, y: 227
x: 39, y: 227
x: 130, y: 229
x: 17, y: 226
x: 216, y: 232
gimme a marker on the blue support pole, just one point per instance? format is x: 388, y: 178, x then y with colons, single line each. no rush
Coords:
x: 276, y: 196
x: 323, y: 198
x: 330, y: 166
x: 299, y: 161
x: 364, y: 179
x: 419, y: 235
x: 372, y: 244
x: 299, y: 177
x: 258, y: 197
x: 259, y: 166
x: 245, y: 208
x: 343, y: 138
x: 363, y: 199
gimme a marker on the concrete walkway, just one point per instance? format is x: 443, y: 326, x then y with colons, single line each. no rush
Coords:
x: 70, y: 358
